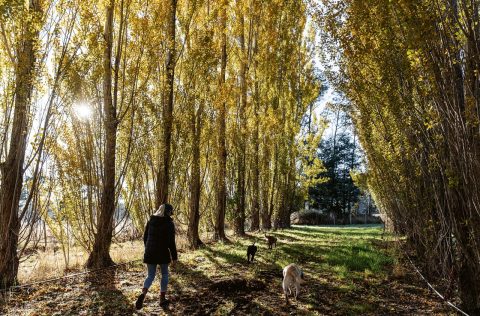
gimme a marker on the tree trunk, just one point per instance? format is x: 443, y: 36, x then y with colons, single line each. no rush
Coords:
x: 163, y: 178
x: 221, y: 146
x: 100, y: 255
x: 466, y: 232
x: 282, y: 219
x: 239, y: 222
x: 267, y: 223
x: 333, y: 201
x: 469, y: 286
x: 255, y: 218
x: 468, y: 267
x: 278, y: 221
x: 12, y: 168
x: 194, y: 215
x: 291, y: 186
x: 266, y: 220
x: 350, y: 193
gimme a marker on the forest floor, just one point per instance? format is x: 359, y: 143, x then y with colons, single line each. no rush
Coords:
x: 349, y: 271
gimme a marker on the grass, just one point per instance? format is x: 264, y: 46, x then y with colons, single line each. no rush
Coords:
x: 349, y: 270
x: 49, y: 264
x: 341, y: 250
x: 344, y: 252
x: 341, y: 259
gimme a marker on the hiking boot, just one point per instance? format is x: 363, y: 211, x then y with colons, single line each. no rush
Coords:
x: 139, y: 303
x: 164, y: 302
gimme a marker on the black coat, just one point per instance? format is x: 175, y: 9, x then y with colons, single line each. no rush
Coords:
x: 159, y: 240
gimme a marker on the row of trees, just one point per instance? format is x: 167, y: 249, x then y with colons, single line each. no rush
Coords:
x: 111, y: 108
x: 411, y: 72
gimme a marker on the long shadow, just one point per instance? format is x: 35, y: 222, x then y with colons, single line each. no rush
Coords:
x: 229, y: 257
x: 189, y: 286
x: 287, y: 236
x: 234, y: 288
x: 353, y: 257
x: 336, y: 227
x: 301, y: 235
x: 200, y: 295
x: 322, y: 297
x: 301, y: 253
x: 346, y: 232
x: 252, y: 308
x: 106, y: 299
x: 251, y: 238
x: 208, y: 252
x: 191, y: 275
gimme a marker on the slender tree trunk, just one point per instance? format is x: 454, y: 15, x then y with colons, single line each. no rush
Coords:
x: 468, y: 284
x: 469, y: 266
x: 163, y: 178
x: 194, y: 215
x: 266, y: 220
x: 12, y: 168
x: 279, y: 215
x: 276, y: 179
x: 282, y: 218
x: 350, y: 194
x: 334, y: 157
x: 221, y: 145
x: 100, y: 255
x: 239, y: 222
x: 256, y: 171
x: 291, y: 186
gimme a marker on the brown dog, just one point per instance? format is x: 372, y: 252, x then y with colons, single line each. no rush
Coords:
x: 271, y: 240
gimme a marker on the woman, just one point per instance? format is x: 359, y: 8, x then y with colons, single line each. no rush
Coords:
x: 160, y: 249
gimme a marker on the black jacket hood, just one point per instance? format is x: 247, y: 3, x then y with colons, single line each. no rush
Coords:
x: 159, y: 220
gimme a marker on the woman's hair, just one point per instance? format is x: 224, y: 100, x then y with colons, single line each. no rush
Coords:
x: 164, y: 210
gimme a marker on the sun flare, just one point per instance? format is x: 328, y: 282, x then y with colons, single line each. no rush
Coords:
x: 83, y: 111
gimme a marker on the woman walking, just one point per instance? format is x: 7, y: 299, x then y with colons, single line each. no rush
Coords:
x: 160, y: 249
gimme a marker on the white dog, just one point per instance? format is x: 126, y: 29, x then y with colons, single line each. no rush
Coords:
x: 292, y: 277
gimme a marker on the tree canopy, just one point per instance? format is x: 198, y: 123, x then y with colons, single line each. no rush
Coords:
x: 410, y: 72
x: 110, y: 108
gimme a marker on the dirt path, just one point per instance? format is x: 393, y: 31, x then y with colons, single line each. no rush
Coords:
x: 204, y: 284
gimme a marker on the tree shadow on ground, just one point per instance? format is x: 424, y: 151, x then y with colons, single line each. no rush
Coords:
x: 209, y: 254
x: 197, y: 294
x: 230, y: 257
x: 285, y: 236
x: 191, y: 295
x: 323, y: 294
x: 252, y: 238
x: 297, y: 253
x: 106, y: 298
x: 346, y: 232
